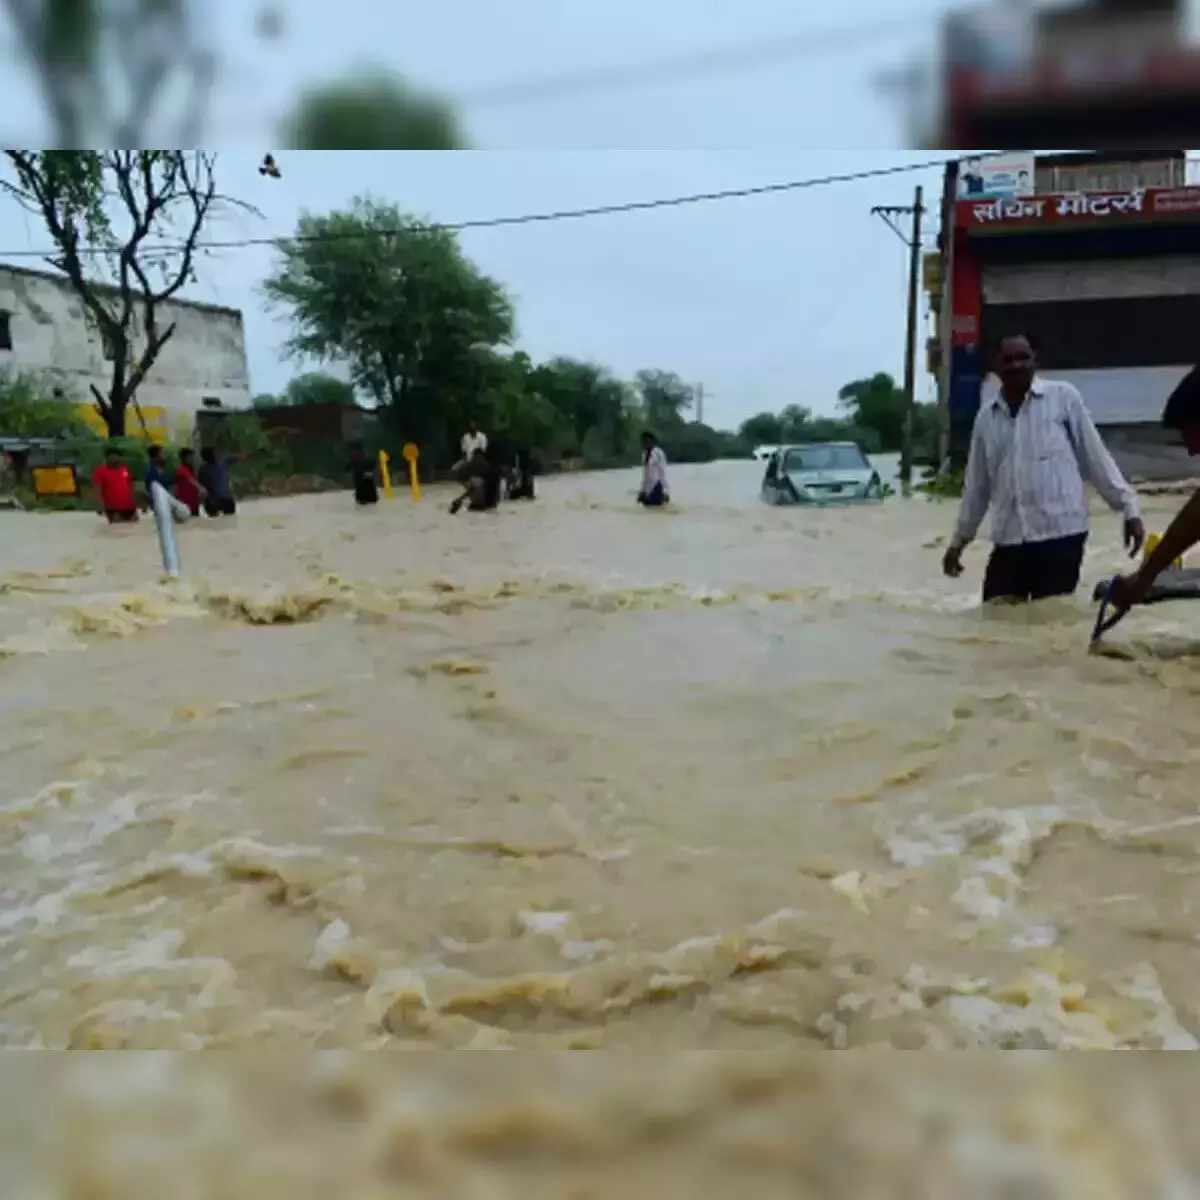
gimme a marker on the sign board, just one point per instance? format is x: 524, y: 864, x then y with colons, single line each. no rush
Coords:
x: 55, y: 481
x: 998, y: 176
x: 1077, y: 209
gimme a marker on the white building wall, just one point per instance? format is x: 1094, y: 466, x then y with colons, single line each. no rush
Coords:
x: 205, y: 358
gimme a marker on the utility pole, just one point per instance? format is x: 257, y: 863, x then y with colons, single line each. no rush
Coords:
x: 699, y: 404
x: 912, y: 240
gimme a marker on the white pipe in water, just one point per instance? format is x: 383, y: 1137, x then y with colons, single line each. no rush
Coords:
x: 164, y: 519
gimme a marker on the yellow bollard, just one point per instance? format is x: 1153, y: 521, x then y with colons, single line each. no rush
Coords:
x: 385, y: 476
x: 411, y: 453
x: 1152, y: 542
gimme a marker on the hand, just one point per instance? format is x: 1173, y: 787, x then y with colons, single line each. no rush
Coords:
x: 952, y: 562
x: 1127, y: 591
x: 1135, y: 536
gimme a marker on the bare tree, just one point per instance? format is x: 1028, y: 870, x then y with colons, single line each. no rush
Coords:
x: 107, y: 68
x: 165, y: 198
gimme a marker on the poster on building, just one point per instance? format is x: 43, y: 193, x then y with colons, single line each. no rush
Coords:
x: 1001, y: 176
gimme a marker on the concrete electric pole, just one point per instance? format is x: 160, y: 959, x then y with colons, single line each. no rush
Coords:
x: 912, y: 240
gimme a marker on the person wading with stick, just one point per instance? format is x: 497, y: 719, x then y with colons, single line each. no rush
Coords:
x: 1032, y: 448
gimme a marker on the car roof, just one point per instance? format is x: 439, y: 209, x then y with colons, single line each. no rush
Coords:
x: 820, y: 446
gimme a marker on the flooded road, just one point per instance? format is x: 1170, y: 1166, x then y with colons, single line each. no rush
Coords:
x: 730, y: 779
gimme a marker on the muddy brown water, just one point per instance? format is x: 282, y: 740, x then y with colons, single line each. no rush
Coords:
x: 732, y: 784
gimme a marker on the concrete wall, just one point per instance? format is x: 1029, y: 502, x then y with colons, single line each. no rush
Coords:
x: 205, y: 358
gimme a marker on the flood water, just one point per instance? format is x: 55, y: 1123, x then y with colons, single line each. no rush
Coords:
x: 726, y: 778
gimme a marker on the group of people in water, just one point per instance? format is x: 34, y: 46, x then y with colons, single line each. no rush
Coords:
x: 487, y: 478
x: 207, y: 488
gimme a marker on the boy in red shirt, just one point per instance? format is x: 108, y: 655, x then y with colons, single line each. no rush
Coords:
x: 187, y: 487
x: 113, y: 485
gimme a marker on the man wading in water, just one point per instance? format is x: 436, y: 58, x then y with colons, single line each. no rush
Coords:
x: 655, y: 491
x: 1032, y: 447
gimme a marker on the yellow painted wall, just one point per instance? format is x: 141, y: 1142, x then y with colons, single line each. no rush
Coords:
x: 158, y: 422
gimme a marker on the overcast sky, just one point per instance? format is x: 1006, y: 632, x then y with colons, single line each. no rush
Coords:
x: 767, y: 301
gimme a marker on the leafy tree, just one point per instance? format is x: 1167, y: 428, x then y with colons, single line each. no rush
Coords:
x: 664, y: 397
x: 156, y: 196
x: 795, y: 424
x: 375, y: 111
x: 762, y: 429
x: 315, y: 387
x: 598, y: 411
x: 876, y: 404
x: 398, y: 302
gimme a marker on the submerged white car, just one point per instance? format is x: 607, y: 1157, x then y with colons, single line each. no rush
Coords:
x: 821, y: 473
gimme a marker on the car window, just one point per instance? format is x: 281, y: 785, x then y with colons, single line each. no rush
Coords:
x: 826, y: 458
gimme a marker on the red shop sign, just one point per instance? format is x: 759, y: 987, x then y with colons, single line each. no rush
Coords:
x: 1074, y: 208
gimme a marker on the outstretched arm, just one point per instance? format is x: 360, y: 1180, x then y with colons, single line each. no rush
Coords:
x: 1182, y: 534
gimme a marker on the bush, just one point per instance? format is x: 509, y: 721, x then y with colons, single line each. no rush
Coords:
x: 29, y: 408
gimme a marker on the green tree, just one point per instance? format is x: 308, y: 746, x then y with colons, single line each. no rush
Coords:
x: 795, y: 423
x: 876, y: 404
x: 664, y: 397
x: 397, y: 302
x: 598, y: 412
x: 126, y: 204
x: 374, y: 111
x: 315, y: 387
x: 762, y: 429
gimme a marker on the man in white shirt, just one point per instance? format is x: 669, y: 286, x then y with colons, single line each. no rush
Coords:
x: 473, y: 440
x: 655, y: 490
x: 1032, y: 448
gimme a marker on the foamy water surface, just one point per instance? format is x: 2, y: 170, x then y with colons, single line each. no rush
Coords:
x: 728, y: 779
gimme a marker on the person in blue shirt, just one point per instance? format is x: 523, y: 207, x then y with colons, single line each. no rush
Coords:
x: 214, y: 478
x: 156, y: 470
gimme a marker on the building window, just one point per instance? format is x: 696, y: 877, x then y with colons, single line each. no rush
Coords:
x: 106, y: 344
x: 5, y: 330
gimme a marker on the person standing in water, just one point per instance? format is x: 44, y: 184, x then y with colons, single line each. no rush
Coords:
x: 655, y: 491
x: 187, y: 486
x: 219, y: 500
x: 1032, y: 447
x: 156, y: 471
x: 113, y: 485
x: 362, y: 472
x: 481, y: 485
x: 473, y: 440
x: 520, y: 476
x: 1182, y: 416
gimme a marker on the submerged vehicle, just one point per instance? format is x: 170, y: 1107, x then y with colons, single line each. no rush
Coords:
x: 821, y: 473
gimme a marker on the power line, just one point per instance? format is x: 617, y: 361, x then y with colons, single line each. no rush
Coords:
x: 781, y: 48
x: 541, y: 218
